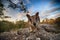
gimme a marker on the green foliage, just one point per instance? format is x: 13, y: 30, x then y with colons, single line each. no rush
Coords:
x: 57, y: 21
x: 20, y: 24
x: 57, y: 24
x: 8, y: 26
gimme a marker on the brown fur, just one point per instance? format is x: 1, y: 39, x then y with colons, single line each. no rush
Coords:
x: 33, y: 20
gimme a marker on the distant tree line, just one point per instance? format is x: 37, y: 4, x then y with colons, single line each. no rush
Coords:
x: 51, y: 21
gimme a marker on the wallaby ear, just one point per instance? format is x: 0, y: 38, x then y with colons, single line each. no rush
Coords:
x: 28, y: 15
x: 37, y: 13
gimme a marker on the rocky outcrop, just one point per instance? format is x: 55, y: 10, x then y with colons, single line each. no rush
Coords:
x: 25, y: 34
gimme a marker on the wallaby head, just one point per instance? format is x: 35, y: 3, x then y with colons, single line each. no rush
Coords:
x: 33, y: 20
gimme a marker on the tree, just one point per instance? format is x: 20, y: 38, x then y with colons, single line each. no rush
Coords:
x: 22, y: 6
x: 1, y: 9
x: 57, y: 21
x: 51, y: 21
x: 2, y: 16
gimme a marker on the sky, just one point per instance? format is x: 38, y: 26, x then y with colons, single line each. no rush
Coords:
x: 46, y: 9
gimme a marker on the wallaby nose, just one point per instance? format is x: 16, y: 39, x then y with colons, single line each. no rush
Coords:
x: 34, y: 24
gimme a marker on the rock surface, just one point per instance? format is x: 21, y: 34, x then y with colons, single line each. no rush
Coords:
x: 44, y: 33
